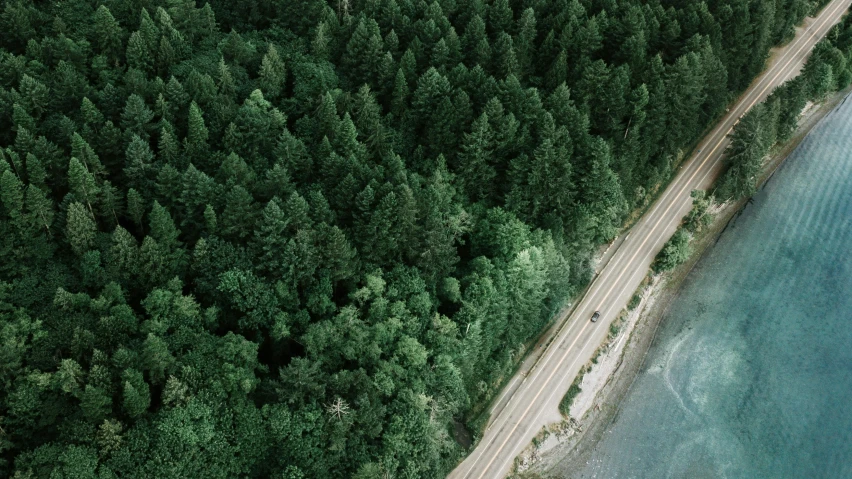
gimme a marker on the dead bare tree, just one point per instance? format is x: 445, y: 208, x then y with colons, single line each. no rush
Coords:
x: 338, y: 408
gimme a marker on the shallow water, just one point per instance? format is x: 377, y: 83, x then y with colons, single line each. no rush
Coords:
x: 751, y: 372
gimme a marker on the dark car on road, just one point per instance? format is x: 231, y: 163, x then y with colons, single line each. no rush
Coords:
x: 596, y: 316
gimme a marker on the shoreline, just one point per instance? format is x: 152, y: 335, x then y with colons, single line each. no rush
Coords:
x: 611, y: 374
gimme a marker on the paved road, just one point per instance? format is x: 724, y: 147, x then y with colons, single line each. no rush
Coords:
x: 535, y: 402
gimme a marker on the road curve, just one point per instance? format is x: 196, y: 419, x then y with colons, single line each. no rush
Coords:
x: 535, y: 402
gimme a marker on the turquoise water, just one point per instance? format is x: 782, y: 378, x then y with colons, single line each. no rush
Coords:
x: 751, y: 373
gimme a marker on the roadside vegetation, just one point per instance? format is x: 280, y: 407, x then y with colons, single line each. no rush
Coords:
x: 568, y: 398
x: 298, y: 238
x: 677, y: 249
x: 674, y: 252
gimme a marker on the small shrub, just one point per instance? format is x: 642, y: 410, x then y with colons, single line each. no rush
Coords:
x: 698, y: 217
x: 675, y: 252
x: 634, y: 301
x: 573, y: 391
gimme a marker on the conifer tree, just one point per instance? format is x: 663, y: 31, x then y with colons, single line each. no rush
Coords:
x: 400, y: 94
x: 24, y: 142
x: 326, y: 116
x: 320, y: 42
x: 297, y: 212
x: 238, y: 216
x: 166, y: 55
x: 176, y: 96
x: 226, y: 83
x: 95, y: 403
x: 110, y: 142
x: 444, y: 223
x: 602, y: 192
x: 80, y: 228
x: 500, y: 16
x: 440, y: 55
x: 558, y: 71
x: 156, y: 358
x: 111, y: 203
x: 277, y: 182
x: 346, y: 139
x: 269, y: 237
x: 34, y: 96
x: 162, y: 227
x: 135, y: 206
x: 454, y: 47
x: 82, y: 184
x: 408, y: 64
x: 236, y: 48
x: 367, y: 117
x: 138, y: 55
x: 168, y: 150
x: 206, y: 21
x: 136, y: 117
x: 92, y: 116
x: 364, y: 52
x: 198, y: 190
x: 273, y: 75
x: 124, y: 255
x: 106, y: 32
x: 81, y: 150
x: 210, y: 220
x: 18, y: 24
x: 195, y: 143
x: 506, y: 61
x: 551, y: 184
x: 391, y: 42
x: 163, y: 110
x: 137, y: 394
x: 475, y: 42
x: 745, y: 155
x: 21, y: 119
x: 475, y: 170
x: 40, y: 209
x: 338, y: 254
x: 138, y: 158
x: 12, y: 194
x: 526, y: 42
x: 168, y: 186
x: 148, y: 30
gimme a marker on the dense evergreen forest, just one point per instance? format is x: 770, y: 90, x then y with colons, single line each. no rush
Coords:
x: 295, y: 239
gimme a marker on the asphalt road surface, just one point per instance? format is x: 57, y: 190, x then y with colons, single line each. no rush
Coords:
x: 534, y: 403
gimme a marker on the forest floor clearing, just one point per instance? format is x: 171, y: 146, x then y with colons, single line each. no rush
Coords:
x: 610, y: 375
